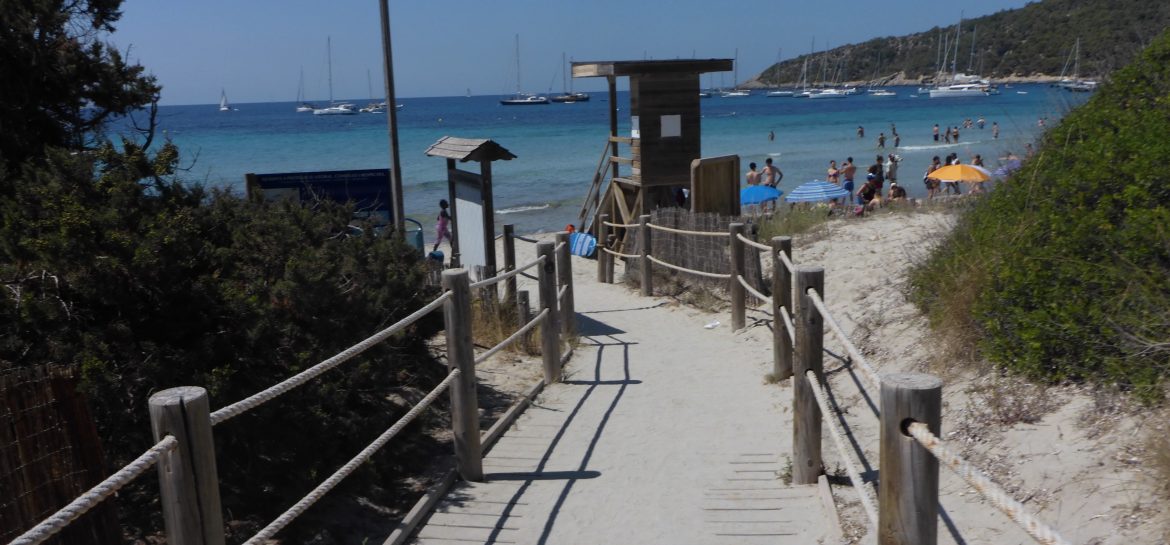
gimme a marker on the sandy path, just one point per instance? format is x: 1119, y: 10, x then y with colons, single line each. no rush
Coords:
x: 662, y: 432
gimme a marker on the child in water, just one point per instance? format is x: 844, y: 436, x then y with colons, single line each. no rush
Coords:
x: 442, y: 225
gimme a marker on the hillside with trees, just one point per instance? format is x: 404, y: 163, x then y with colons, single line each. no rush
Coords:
x: 1029, y: 42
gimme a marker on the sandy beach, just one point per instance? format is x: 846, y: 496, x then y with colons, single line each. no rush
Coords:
x: 1073, y: 456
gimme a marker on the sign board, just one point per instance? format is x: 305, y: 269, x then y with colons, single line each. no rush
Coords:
x: 715, y: 185
x: 469, y: 206
x: 369, y: 189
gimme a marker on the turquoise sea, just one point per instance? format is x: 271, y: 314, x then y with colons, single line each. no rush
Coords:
x: 558, y: 146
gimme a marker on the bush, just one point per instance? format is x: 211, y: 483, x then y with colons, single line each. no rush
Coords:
x: 1070, y: 258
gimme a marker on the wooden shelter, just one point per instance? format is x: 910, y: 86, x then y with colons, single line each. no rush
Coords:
x: 664, y: 135
x: 476, y: 248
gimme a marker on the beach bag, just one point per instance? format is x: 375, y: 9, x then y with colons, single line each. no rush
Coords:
x: 582, y: 244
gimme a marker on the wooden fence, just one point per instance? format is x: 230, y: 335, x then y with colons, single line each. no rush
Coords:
x: 183, y: 423
x: 906, y: 508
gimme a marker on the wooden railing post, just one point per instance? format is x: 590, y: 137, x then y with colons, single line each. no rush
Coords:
x: 602, y: 236
x: 461, y: 355
x: 550, y: 342
x: 610, y: 242
x: 806, y: 414
x: 509, y: 261
x: 524, y: 314
x: 565, y: 280
x: 908, y: 496
x: 644, y: 242
x: 188, y: 480
x: 781, y: 297
x: 738, y: 294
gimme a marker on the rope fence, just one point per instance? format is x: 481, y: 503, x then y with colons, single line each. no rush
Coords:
x: 362, y: 457
x: 787, y: 262
x: 91, y: 498
x: 755, y: 293
x: 622, y: 225
x: 264, y: 396
x: 997, y: 496
x: 619, y: 254
x: 685, y: 232
x: 864, y: 489
x: 512, y: 338
x: 501, y: 277
x: 686, y: 270
x: 863, y: 366
x: 752, y: 243
x: 788, y: 325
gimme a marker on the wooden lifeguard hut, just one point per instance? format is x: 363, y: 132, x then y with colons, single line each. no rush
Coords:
x: 664, y: 139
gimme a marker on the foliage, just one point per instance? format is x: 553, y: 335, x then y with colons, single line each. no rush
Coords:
x: 1033, y: 40
x: 1070, y: 258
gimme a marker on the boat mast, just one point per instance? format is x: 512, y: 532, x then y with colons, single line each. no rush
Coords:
x: 329, y: 65
x: 517, y: 65
x: 958, y: 36
x: 1077, y: 60
x: 735, y: 71
x: 971, y: 61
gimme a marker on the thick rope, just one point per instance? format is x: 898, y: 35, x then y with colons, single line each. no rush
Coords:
x: 1040, y: 531
x: 619, y: 254
x: 526, y: 239
x: 501, y: 277
x: 511, y: 339
x: 328, y: 484
x: 685, y: 232
x: 752, y: 243
x: 623, y: 225
x: 868, y: 372
x: 787, y: 262
x: 92, y: 497
x: 262, y: 397
x: 558, y: 247
x: 752, y: 290
x: 864, y: 489
x: 787, y: 319
x: 561, y: 292
x: 692, y: 271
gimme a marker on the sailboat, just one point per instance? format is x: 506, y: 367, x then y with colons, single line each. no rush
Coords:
x: 333, y: 108
x: 373, y: 107
x: 522, y: 99
x: 1075, y: 83
x: 569, y: 97
x: 223, y: 103
x: 736, y: 92
x: 777, y: 92
x: 303, y: 106
x: 961, y: 85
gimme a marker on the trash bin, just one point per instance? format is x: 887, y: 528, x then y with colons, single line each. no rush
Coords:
x: 414, y: 235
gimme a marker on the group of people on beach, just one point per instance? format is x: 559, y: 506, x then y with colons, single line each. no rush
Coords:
x: 869, y: 195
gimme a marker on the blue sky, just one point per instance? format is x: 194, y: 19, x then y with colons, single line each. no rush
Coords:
x: 255, y: 49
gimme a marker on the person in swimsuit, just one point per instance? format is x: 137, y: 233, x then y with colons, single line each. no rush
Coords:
x: 932, y: 183
x: 442, y: 225
x: 833, y: 174
x: 936, y: 132
x: 753, y: 177
x: 848, y: 169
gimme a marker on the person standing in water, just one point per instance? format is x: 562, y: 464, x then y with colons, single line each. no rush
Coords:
x: 936, y: 132
x: 860, y: 131
x: 995, y: 130
x: 881, y: 140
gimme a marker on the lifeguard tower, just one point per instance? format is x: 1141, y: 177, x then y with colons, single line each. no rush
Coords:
x: 664, y: 139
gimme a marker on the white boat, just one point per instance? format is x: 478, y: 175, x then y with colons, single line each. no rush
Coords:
x: 829, y: 93
x: 334, y: 108
x: 736, y: 93
x: 570, y: 96
x: 1075, y: 83
x: 302, y: 106
x: 704, y: 94
x: 779, y: 93
x: 960, y: 90
x: 223, y: 102
x: 882, y: 93
x: 961, y: 85
x: 520, y: 98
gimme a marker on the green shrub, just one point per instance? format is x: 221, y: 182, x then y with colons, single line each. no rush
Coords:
x: 1065, y: 268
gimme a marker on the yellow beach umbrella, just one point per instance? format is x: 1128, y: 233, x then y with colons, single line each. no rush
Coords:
x: 961, y: 173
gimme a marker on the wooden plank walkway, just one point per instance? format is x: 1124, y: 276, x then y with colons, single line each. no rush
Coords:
x: 655, y: 436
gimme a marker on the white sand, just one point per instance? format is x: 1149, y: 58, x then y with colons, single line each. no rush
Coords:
x: 655, y: 417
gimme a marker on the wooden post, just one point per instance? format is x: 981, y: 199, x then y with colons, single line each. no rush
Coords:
x: 509, y: 261
x: 602, y: 235
x: 524, y: 314
x: 565, y: 280
x: 781, y: 297
x: 461, y: 355
x: 806, y: 414
x: 738, y: 295
x: 550, y: 342
x: 908, y: 496
x: 644, y: 242
x: 611, y: 242
x: 188, y: 481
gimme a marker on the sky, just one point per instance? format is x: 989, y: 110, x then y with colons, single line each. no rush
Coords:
x: 255, y: 50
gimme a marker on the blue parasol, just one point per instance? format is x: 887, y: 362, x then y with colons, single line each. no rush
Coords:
x: 1007, y: 168
x: 815, y: 191
x: 756, y: 194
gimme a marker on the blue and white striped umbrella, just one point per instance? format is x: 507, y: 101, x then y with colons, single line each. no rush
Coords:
x: 815, y: 191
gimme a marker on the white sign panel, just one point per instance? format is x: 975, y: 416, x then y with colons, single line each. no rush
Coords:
x: 469, y: 210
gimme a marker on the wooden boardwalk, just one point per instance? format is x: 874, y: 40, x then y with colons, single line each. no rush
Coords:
x: 654, y: 436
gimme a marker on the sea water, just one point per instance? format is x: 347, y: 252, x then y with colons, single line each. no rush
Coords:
x: 558, y: 146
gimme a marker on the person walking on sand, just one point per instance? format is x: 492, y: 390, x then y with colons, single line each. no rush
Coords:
x: 936, y: 132
x: 995, y: 130
x: 753, y: 177
x: 881, y: 140
x: 848, y: 170
x: 442, y: 225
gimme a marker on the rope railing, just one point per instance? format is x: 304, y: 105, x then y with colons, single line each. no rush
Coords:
x: 526, y: 239
x: 362, y: 457
x: 504, y: 276
x: 752, y: 243
x: 264, y: 396
x: 864, y: 489
x: 512, y: 338
x: 619, y: 254
x: 788, y: 325
x: 622, y: 225
x: 997, y: 496
x: 755, y: 293
x: 685, y: 232
x: 686, y: 270
x: 863, y: 366
x: 561, y: 292
x: 92, y: 497
x: 787, y: 262
x: 558, y: 247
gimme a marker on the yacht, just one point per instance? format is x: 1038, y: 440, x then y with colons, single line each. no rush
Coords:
x: 333, y: 108
x: 779, y: 93
x: 829, y: 93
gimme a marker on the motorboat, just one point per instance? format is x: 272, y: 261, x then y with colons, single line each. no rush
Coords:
x: 959, y: 90
x: 736, y: 93
x: 344, y: 108
x: 779, y: 93
x: 829, y: 93
x: 882, y: 93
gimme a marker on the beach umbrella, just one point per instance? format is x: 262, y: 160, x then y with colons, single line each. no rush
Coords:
x: 962, y: 173
x: 816, y: 191
x: 1007, y: 168
x: 756, y: 194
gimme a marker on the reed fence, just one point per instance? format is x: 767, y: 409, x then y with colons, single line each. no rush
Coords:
x: 183, y: 423
x: 904, y: 509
